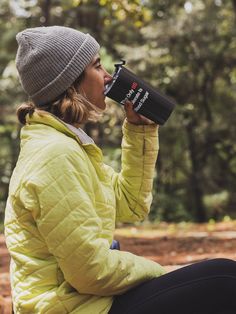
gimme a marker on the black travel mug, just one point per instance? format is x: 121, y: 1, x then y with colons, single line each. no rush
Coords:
x: 147, y: 101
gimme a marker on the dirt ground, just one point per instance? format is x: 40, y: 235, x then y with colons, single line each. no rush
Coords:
x: 170, y: 245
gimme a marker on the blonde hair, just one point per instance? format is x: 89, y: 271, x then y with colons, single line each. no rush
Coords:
x: 71, y: 107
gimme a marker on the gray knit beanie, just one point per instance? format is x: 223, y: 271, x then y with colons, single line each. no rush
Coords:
x: 49, y: 59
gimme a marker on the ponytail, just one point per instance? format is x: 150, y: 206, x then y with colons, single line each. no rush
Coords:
x: 23, y: 110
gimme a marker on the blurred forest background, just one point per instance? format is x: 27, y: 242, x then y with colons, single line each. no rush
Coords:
x: 186, y: 49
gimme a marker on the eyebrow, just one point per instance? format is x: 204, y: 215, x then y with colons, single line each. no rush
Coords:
x: 98, y: 60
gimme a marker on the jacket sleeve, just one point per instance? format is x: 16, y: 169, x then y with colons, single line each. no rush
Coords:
x: 72, y: 230
x: 133, y: 185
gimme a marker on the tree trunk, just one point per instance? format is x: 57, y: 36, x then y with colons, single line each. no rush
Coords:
x: 234, y: 7
x: 88, y: 16
x: 46, y: 6
x: 195, y: 177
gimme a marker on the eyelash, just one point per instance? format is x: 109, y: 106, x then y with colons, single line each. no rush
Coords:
x: 98, y: 66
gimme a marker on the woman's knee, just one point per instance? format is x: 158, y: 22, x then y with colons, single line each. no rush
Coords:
x: 223, y: 262
x: 221, y: 266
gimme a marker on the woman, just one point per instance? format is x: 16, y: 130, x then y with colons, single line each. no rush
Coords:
x: 63, y: 201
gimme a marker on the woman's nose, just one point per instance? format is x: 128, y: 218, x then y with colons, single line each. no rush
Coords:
x: 108, y: 77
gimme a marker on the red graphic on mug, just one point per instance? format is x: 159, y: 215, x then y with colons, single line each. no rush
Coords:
x: 134, y: 85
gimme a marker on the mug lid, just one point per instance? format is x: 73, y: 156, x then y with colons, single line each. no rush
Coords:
x: 122, y: 62
x: 118, y: 67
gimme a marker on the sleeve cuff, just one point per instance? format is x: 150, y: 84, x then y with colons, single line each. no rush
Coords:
x: 142, y: 128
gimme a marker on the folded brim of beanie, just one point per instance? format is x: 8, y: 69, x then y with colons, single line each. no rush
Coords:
x: 70, y: 73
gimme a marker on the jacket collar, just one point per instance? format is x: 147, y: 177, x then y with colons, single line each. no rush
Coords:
x: 44, y: 117
x: 85, y: 139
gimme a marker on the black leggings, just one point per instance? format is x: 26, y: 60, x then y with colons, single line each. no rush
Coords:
x: 207, y: 287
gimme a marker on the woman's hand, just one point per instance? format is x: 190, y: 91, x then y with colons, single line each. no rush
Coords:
x: 133, y: 117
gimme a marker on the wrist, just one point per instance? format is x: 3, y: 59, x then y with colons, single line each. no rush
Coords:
x: 140, y: 127
x: 141, y: 122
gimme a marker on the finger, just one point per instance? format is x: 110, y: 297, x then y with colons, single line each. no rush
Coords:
x: 128, y: 106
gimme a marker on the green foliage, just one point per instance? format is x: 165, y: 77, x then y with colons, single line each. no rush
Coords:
x: 185, y: 49
x: 112, y: 157
x: 189, y: 53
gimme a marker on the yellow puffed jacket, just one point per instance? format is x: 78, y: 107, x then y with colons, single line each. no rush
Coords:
x: 60, y: 218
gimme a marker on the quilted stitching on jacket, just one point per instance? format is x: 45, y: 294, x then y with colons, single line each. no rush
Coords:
x: 60, y: 218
